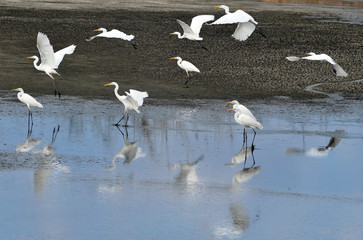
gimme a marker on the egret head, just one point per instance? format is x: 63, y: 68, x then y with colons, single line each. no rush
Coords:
x: 223, y: 7
x: 109, y: 84
x: 100, y: 30
x: 16, y: 89
x: 175, y: 58
x: 233, y: 102
x: 310, y: 54
x: 32, y: 57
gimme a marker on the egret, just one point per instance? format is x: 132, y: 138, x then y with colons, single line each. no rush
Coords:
x: 241, y: 109
x: 132, y: 101
x: 338, y: 70
x: 30, y: 102
x: 188, y: 67
x: 50, y: 60
x: 247, y: 122
x: 114, y: 33
x: 246, y: 23
x: 192, y: 32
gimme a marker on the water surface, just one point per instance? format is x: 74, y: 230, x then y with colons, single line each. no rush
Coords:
x: 173, y: 177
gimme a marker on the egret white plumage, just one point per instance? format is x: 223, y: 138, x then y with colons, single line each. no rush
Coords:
x: 192, y: 32
x: 188, y: 67
x: 132, y: 101
x: 30, y: 102
x: 246, y: 121
x: 114, y: 33
x: 338, y: 70
x: 49, y: 60
x: 246, y: 23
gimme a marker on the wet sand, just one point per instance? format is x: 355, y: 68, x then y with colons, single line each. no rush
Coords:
x: 255, y: 68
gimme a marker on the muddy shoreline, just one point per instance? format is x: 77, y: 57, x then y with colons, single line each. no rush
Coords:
x: 256, y: 68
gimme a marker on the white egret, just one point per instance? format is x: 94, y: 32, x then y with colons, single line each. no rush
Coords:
x: 114, y: 33
x: 192, y: 32
x: 132, y: 101
x: 338, y: 70
x: 50, y: 60
x: 188, y: 67
x: 30, y: 102
x: 246, y: 23
x: 247, y: 122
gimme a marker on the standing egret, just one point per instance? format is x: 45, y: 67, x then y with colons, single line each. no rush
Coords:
x: 132, y: 101
x: 192, y: 32
x: 114, y: 33
x: 30, y: 102
x: 241, y: 109
x: 188, y: 67
x: 246, y: 23
x: 50, y: 60
x: 246, y: 121
x: 338, y: 70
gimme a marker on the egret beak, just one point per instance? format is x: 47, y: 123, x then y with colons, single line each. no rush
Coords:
x: 171, y: 33
x: 217, y: 6
x: 30, y: 57
x: 13, y: 90
x: 172, y: 58
x: 229, y: 102
x: 231, y: 109
x: 97, y: 30
x: 107, y: 84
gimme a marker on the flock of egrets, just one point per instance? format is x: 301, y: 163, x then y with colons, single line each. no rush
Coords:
x: 133, y: 99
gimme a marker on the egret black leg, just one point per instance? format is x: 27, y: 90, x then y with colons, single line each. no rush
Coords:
x: 134, y: 45
x: 201, y: 44
x: 246, y: 147
x: 253, y: 136
x: 123, y: 116
x: 127, y: 119
x: 56, y: 91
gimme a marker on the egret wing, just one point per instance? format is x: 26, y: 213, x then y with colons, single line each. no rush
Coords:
x: 137, y: 96
x: 45, y: 50
x: 198, y: 21
x: 293, y: 58
x: 186, y: 28
x: 189, y: 66
x: 236, y: 17
x: 114, y: 33
x: 339, y: 71
x: 60, y: 54
x: 244, y: 30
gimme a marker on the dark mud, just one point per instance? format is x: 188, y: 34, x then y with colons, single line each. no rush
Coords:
x: 256, y: 68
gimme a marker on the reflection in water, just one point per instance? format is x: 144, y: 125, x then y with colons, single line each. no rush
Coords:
x: 129, y: 151
x: 245, y: 174
x: 47, y: 160
x: 318, y: 151
x: 240, y: 223
x: 242, y: 156
x: 187, y: 174
x: 28, y: 145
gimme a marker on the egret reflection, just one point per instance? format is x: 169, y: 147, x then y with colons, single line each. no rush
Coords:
x: 318, y: 151
x: 47, y: 161
x: 187, y: 172
x: 28, y: 145
x: 129, y: 151
x: 242, y: 156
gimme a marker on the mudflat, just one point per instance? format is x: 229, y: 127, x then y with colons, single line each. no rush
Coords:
x: 255, y: 68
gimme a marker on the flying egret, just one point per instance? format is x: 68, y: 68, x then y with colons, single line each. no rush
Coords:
x: 114, y: 33
x: 338, y: 70
x: 50, y: 60
x: 246, y: 23
x: 192, y: 32
x: 246, y: 121
x: 188, y: 67
x: 132, y: 101
x: 30, y: 102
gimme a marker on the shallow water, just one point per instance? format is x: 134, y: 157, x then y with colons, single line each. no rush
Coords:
x: 173, y: 177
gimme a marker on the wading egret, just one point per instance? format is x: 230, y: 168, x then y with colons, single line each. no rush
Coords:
x: 30, y: 102
x: 192, y: 32
x: 132, y: 101
x: 246, y: 23
x: 246, y: 121
x: 188, y: 67
x: 50, y: 60
x: 114, y: 33
x: 338, y: 70
x: 240, y: 108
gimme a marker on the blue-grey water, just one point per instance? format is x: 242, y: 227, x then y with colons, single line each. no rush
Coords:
x: 173, y: 176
